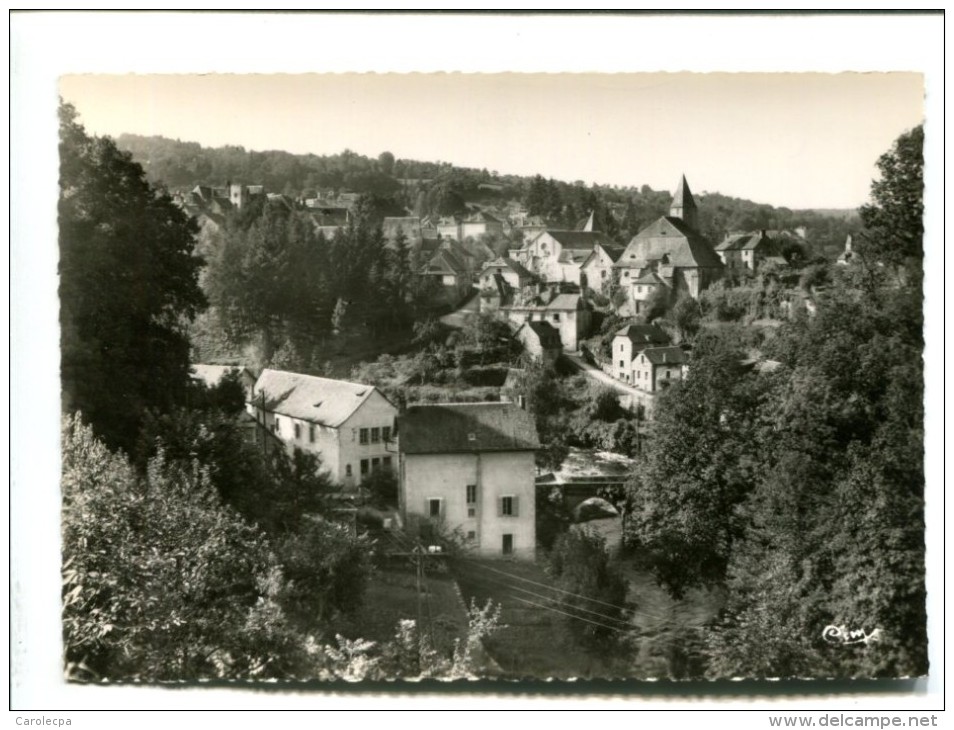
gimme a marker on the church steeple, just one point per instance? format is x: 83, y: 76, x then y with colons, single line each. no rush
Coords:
x: 683, y: 206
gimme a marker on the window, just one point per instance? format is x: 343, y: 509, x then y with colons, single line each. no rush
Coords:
x: 507, y: 545
x: 622, y: 363
x: 375, y: 435
x: 508, y: 506
x: 386, y: 433
x: 433, y: 508
x: 471, y: 494
x: 639, y: 289
x: 626, y: 274
x: 556, y: 317
x: 363, y: 436
x: 364, y: 467
x: 667, y: 375
x: 375, y: 464
x: 471, y: 535
x: 386, y: 463
x: 297, y: 431
x: 275, y: 426
x: 311, y: 432
x: 603, y: 274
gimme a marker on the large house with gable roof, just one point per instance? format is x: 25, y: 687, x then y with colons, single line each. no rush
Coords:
x: 349, y: 425
x: 470, y: 466
x: 673, y: 249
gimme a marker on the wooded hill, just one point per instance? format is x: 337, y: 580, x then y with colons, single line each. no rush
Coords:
x: 440, y: 188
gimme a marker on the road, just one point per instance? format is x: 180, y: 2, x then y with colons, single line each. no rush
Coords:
x: 630, y: 397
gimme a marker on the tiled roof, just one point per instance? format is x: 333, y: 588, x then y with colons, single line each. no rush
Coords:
x: 481, y: 217
x: 514, y: 266
x: 669, y: 236
x: 747, y: 242
x: 466, y: 427
x: 664, y: 355
x: 564, y: 302
x: 643, y: 334
x: 580, y: 239
x: 650, y: 277
x: 445, y: 262
x: 318, y: 400
x: 545, y: 332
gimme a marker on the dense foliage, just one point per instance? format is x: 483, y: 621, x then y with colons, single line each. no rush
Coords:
x: 800, y: 490
x: 128, y: 284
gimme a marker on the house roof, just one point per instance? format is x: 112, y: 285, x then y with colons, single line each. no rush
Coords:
x: 641, y: 334
x: 665, y: 355
x: 545, y: 332
x: 466, y: 427
x: 650, y: 277
x: 565, y: 302
x: 481, y: 217
x: 580, y: 239
x: 318, y: 400
x: 445, y: 262
x: 514, y: 266
x: 212, y: 375
x: 673, y: 238
x: 746, y: 242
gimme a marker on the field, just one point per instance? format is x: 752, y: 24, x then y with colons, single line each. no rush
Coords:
x: 662, y: 639
x: 392, y: 595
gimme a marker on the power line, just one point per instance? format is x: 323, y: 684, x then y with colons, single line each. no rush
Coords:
x: 564, y: 603
x: 578, y: 618
x: 569, y: 593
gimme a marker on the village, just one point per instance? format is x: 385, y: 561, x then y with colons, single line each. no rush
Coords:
x: 354, y: 417
x: 435, y: 478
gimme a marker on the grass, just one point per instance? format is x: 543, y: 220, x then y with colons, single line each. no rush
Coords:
x: 663, y: 640
x: 536, y: 642
x: 392, y: 595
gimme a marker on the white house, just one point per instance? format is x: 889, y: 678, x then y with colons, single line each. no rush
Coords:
x: 471, y: 466
x: 349, y: 425
x: 629, y: 342
x: 656, y: 368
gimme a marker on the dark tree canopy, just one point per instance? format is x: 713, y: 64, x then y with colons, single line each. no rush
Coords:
x: 894, y: 221
x: 128, y: 284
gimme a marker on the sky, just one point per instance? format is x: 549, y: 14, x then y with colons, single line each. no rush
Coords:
x: 786, y: 139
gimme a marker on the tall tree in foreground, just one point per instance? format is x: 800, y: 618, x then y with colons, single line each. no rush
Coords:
x: 128, y: 284
x: 894, y: 226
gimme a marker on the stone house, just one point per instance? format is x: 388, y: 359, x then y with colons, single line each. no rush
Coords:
x: 565, y: 312
x: 656, y: 368
x: 597, y: 268
x: 558, y: 256
x: 349, y: 425
x: 471, y: 467
x: 451, y: 273
x: 629, y: 342
x: 512, y: 272
x: 541, y: 340
x: 747, y: 250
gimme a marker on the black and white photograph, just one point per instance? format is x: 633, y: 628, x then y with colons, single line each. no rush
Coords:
x: 492, y: 375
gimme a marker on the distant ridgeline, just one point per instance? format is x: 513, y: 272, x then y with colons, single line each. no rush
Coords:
x: 442, y: 189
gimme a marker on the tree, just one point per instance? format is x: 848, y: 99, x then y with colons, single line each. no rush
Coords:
x: 161, y: 580
x: 582, y: 566
x: 386, y: 162
x: 128, y: 286
x: 894, y: 220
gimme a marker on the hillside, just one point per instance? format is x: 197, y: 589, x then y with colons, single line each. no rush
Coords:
x: 440, y: 188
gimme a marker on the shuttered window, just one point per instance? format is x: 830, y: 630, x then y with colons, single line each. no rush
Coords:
x: 508, y: 506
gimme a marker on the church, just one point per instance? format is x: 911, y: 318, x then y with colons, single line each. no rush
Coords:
x: 670, y: 252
